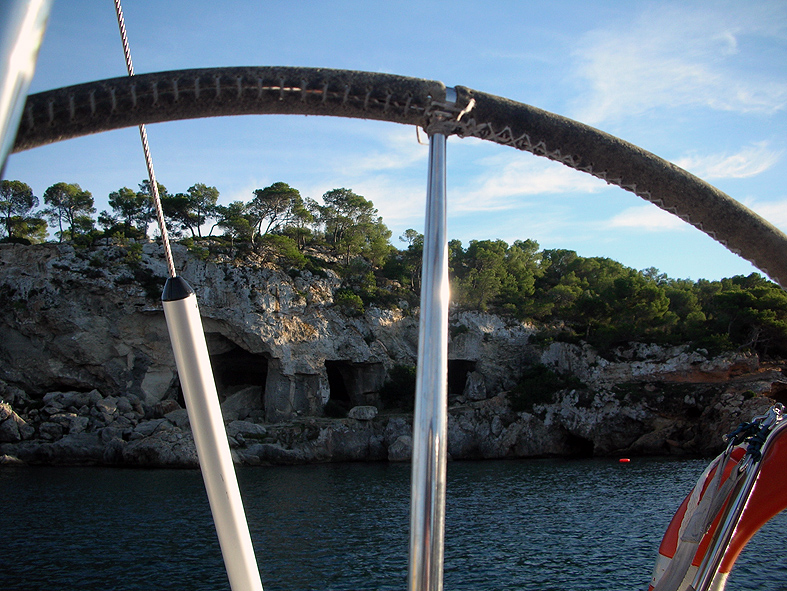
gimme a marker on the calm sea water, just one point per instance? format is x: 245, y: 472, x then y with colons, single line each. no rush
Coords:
x: 561, y: 525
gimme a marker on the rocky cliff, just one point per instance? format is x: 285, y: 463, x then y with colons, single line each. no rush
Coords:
x: 88, y: 375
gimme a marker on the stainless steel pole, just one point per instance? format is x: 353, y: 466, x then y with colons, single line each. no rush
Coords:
x: 427, y: 511
x: 22, y: 25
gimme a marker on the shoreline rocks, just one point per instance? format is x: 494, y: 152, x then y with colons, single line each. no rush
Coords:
x: 85, y: 428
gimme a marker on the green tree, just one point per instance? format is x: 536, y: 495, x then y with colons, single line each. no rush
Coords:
x: 274, y: 206
x: 523, y: 265
x: 68, y: 202
x: 134, y: 209
x: 481, y: 276
x: 202, y: 205
x: 84, y: 230
x: 148, y: 211
x: 176, y: 213
x: 191, y: 210
x: 285, y: 250
x: 236, y: 221
x: 16, y: 204
x: 16, y: 200
x: 411, y: 237
x: 490, y: 274
x: 406, y: 266
x: 685, y: 304
x: 353, y: 227
x: 752, y: 312
x: 302, y: 217
x: 27, y: 228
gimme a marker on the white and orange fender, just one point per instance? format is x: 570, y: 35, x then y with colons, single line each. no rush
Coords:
x: 768, y: 498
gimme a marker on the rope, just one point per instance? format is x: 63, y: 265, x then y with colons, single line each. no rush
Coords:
x: 143, y: 135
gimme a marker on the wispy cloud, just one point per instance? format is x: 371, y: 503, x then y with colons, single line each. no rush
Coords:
x: 748, y: 162
x: 648, y: 218
x: 677, y: 55
x: 397, y: 149
x: 773, y: 211
x: 511, y: 178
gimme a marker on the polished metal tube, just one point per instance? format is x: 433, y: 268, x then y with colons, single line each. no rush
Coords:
x: 427, y: 511
x: 210, y: 438
x: 22, y: 25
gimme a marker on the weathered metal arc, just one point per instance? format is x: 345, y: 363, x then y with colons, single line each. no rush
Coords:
x: 186, y: 94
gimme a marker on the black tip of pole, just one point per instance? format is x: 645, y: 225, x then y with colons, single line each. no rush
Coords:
x: 175, y: 289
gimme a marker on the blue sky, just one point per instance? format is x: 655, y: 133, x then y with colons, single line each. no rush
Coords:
x: 702, y: 84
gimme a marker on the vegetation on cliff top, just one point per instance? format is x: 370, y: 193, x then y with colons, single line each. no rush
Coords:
x: 591, y: 299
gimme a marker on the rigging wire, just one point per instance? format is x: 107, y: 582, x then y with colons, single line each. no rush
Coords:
x: 143, y: 134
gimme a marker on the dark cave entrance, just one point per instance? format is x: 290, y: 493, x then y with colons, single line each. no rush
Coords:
x: 779, y: 393
x: 234, y: 369
x: 353, y: 384
x: 339, y: 401
x: 579, y: 447
x: 457, y: 375
x: 238, y: 369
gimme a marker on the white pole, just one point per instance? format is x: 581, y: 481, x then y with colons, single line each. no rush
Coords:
x: 427, y: 512
x: 202, y: 402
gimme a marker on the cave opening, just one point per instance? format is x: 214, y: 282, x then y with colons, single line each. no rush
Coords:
x: 234, y: 369
x: 339, y: 400
x: 458, y: 369
x: 779, y: 393
x: 579, y: 447
x: 238, y: 369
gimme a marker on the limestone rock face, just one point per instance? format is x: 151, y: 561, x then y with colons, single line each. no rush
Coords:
x: 83, y: 320
x: 87, y: 373
x: 657, y: 400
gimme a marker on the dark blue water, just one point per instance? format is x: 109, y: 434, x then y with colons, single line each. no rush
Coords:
x: 565, y: 525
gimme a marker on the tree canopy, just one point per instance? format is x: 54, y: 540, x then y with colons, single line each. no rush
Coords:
x: 353, y: 226
x: 592, y: 299
x: 70, y: 207
x: 16, y: 205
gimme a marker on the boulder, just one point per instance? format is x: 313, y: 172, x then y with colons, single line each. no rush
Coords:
x: 273, y: 453
x: 166, y: 449
x: 238, y: 405
x: 50, y: 431
x: 475, y: 387
x: 362, y: 413
x: 179, y: 418
x: 147, y: 428
x: 9, y: 431
x: 245, y: 429
x: 401, y: 450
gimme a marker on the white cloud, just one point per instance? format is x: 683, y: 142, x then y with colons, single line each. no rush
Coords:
x: 397, y: 202
x: 749, y: 161
x: 517, y: 176
x: 773, y: 211
x: 646, y: 217
x: 397, y: 150
x: 682, y: 55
